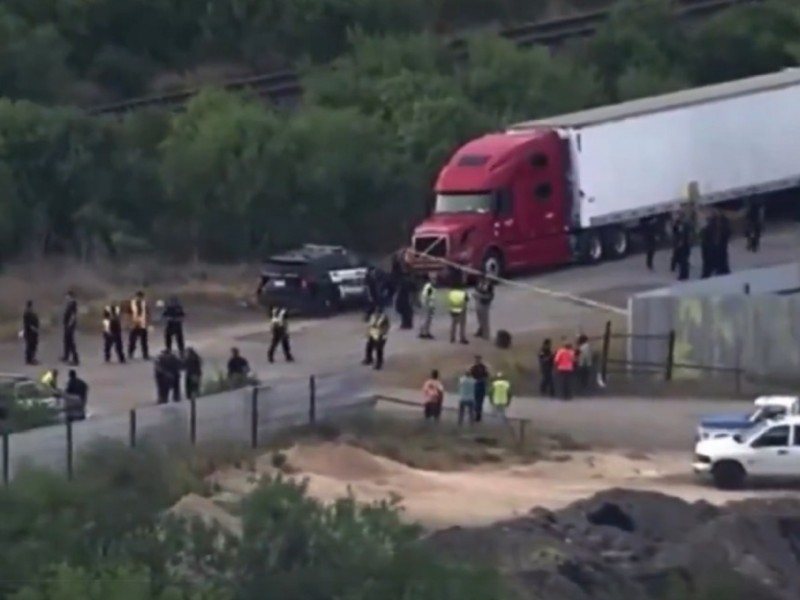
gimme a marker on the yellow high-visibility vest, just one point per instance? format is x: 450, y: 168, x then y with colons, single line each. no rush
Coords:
x: 278, y: 317
x: 49, y: 378
x: 500, y: 392
x: 139, y: 317
x: 106, y: 325
x: 457, y: 299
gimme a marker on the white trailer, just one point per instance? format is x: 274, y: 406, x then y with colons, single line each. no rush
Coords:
x: 643, y: 157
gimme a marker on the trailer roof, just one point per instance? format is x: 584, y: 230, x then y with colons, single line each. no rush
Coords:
x: 633, y: 108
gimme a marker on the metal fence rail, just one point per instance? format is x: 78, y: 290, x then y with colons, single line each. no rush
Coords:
x: 284, y: 87
x: 247, y: 416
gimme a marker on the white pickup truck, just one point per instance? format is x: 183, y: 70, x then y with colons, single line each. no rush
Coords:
x: 764, y: 407
x: 770, y: 450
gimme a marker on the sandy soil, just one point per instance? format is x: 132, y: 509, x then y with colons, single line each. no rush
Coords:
x: 475, y: 496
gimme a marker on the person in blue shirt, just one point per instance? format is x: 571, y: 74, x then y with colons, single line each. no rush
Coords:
x: 466, y: 397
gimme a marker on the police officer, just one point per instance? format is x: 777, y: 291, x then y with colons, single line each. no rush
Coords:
x: 708, y: 247
x: 403, y: 302
x: 722, y: 241
x: 649, y: 226
x: 70, y: 326
x: 139, y: 323
x: 427, y: 300
x: 30, y: 333
x: 457, y: 306
x: 280, y: 335
x: 372, y: 283
x: 76, y: 397
x: 754, y: 220
x: 112, y: 333
x: 679, y: 225
x: 547, y: 385
x: 174, y: 316
x: 167, y: 368
x: 484, y: 296
x: 377, y: 333
x: 682, y: 247
x: 193, y: 369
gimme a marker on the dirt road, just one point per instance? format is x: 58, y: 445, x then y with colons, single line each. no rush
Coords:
x: 329, y: 345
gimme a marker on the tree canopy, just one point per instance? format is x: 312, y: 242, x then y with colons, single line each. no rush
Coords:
x: 231, y: 178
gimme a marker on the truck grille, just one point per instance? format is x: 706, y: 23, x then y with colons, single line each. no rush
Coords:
x: 434, y: 246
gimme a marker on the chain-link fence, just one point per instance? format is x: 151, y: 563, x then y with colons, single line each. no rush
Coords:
x: 246, y: 416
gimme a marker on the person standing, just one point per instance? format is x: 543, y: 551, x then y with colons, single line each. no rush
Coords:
x: 30, y: 333
x: 546, y: 363
x: 174, y: 316
x: 70, y: 327
x: 682, y: 248
x: 433, y: 397
x: 374, y: 290
x: 565, y: 368
x: 484, y: 296
x: 193, y: 373
x: 649, y: 235
x: 457, y: 303
x: 377, y: 333
x: 428, y: 302
x: 708, y: 247
x: 754, y: 218
x: 403, y: 302
x: 480, y: 374
x: 583, y: 360
x: 500, y: 395
x: 722, y: 242
x: 280, y: 335
x: 139, y: 324
x: 466, y: 397
x: 112, y: 334
x: 161, y: 373
x: 679, y: 225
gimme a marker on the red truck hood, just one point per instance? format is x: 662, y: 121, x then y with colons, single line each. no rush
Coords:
x: 448, y: 223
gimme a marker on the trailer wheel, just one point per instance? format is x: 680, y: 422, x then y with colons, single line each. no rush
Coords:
x: 591, y: 248
x: 616, y: 242
x: 493, y: 263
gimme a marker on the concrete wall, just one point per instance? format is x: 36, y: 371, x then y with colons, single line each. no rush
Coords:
x: 225, y: 417
x: 759, y: 334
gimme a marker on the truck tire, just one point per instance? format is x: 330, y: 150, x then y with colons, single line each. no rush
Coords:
x: 493, y: 263
x: 728, y: 475
x: 616, y: 243
x: 591, y: 249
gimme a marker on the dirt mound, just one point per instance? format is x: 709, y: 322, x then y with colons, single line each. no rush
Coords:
x: 343, y: 461
x: 639, y: 545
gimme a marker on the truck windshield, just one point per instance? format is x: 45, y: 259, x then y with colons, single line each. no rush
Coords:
x: 457, y: 203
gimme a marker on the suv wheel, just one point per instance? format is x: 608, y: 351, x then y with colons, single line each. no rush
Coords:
x: 728, y: 475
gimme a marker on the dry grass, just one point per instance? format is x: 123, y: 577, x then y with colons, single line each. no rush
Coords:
x: 404, y: 437
x: 96, y: 285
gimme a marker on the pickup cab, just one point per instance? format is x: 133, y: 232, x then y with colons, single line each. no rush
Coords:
x: 768, y: 451
x: 764, y: 407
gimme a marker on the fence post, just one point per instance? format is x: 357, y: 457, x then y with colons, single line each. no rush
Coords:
x: 254, y: 418
x: 6, y: 458
x: 69, y: 448
x: 670, y: 362
x: 312, y: 400
x: 606, y: 350
x: 132, y: 428
x: 192, y: 421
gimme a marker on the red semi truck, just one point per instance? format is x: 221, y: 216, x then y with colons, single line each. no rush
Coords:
x: 572, y: 188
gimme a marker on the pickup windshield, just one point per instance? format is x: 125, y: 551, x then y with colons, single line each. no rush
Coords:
x: 461, y: 203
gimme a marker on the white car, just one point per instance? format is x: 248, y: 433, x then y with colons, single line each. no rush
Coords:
x: 770, y: 450
x: 765, y: 407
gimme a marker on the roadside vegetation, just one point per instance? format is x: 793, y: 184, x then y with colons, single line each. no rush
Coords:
x: 230, y: 178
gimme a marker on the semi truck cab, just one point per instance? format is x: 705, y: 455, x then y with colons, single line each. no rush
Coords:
x: 503, y: 202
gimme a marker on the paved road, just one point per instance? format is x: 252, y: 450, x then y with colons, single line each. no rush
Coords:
x: 328, y: 345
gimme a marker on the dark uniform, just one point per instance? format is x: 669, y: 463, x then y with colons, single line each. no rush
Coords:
x: 754, y: 218
x: 404, y: 289
x: 30, y: 333
x: 138, y: 335
x: 70, y: 326
x: 649, y: 234
x: 238, y: 367
x: 174, y: 316
x: 547, y: 386
x: 484, y: 296
x: 373, y: 285
x: 193, y: 369
x: 77, y: 397
x: 682, y: 248
x: 112, y: 333
x: 721, y: 243
x: 377, y: 334
x: 167, y: 369
x: 280, y: 335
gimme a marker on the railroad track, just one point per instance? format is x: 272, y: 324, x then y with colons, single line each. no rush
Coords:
x: 284, y: 87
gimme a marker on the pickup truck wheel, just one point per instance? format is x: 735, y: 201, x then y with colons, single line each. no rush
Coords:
x: 493, y: 263
x: 728, y: 475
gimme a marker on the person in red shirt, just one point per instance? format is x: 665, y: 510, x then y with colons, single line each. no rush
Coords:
x: 565, y: 367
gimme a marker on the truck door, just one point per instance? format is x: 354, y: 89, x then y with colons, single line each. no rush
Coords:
x: 507, y: 232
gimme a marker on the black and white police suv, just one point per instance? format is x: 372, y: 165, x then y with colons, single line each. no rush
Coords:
x: 314, y: 280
